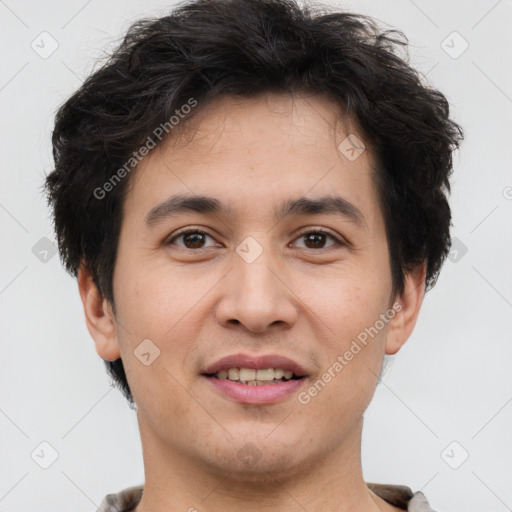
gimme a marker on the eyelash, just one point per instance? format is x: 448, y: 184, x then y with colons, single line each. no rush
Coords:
x: 303, y: 233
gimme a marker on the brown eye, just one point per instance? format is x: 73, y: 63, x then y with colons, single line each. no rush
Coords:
x: 316, y: 239
x: 192, y: 239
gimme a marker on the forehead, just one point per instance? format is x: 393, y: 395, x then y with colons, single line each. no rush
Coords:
x: 250, y: 121
x: 250, y: 151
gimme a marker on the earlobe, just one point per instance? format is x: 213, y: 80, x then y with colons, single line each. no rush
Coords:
x: 98, y: 316
x: 407, y: 308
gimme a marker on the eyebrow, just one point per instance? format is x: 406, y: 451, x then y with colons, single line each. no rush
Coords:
x: 182, y: 203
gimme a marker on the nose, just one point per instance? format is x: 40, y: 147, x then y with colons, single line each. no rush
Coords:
x: 256, y: 295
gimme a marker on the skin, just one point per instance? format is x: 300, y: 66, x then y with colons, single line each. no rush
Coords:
x: 198, y: 302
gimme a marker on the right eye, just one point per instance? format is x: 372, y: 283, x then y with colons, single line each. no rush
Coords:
x: 192, y: 238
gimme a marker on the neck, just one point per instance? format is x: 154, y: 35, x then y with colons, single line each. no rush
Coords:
x: 177, y: 481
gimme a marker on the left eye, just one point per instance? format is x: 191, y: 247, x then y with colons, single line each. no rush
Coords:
x: 318, y: 236
x: 194, y: 238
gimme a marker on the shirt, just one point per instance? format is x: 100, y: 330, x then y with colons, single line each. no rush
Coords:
x: 397, y: 495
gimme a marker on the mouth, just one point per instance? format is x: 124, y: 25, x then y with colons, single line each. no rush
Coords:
x: 255, y: 379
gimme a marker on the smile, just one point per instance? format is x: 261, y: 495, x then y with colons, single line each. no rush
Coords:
x: 253, y: 377
x: 255, y: 392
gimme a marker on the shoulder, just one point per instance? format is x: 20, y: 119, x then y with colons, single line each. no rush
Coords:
x: 123, y: 501
x: 397, y: 495
x: 402, y: 497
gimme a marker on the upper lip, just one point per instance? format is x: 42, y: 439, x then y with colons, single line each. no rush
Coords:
x: 257, y: 362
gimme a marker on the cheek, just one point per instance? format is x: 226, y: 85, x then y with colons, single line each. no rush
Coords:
x: 353, y: 336
x: 348, y: 301
x: 152, y: 299
x: 151, y: 315
x: 165, y: 308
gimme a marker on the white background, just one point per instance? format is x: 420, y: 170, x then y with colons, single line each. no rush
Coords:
x: 451, y: 382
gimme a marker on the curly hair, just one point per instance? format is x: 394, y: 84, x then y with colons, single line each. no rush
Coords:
x: 208, y: 48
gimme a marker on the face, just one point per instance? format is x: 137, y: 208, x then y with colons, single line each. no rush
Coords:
x: 253, y: 278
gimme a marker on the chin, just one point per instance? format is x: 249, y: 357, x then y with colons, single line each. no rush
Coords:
x: 263, y: 473
x: 258, y: 461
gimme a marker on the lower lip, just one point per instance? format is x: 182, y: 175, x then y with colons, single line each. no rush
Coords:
x: 261, y: 394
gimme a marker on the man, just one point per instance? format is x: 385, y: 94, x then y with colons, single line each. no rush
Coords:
x: 252, y: 196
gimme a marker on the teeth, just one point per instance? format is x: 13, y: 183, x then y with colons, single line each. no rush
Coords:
x: 255, y: 377
x: 233, y: 374
x: 247, y: 374
x: 267, y: 374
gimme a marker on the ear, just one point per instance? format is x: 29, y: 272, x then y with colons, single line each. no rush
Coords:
x: 99, y: 316
x: 407, y: 308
